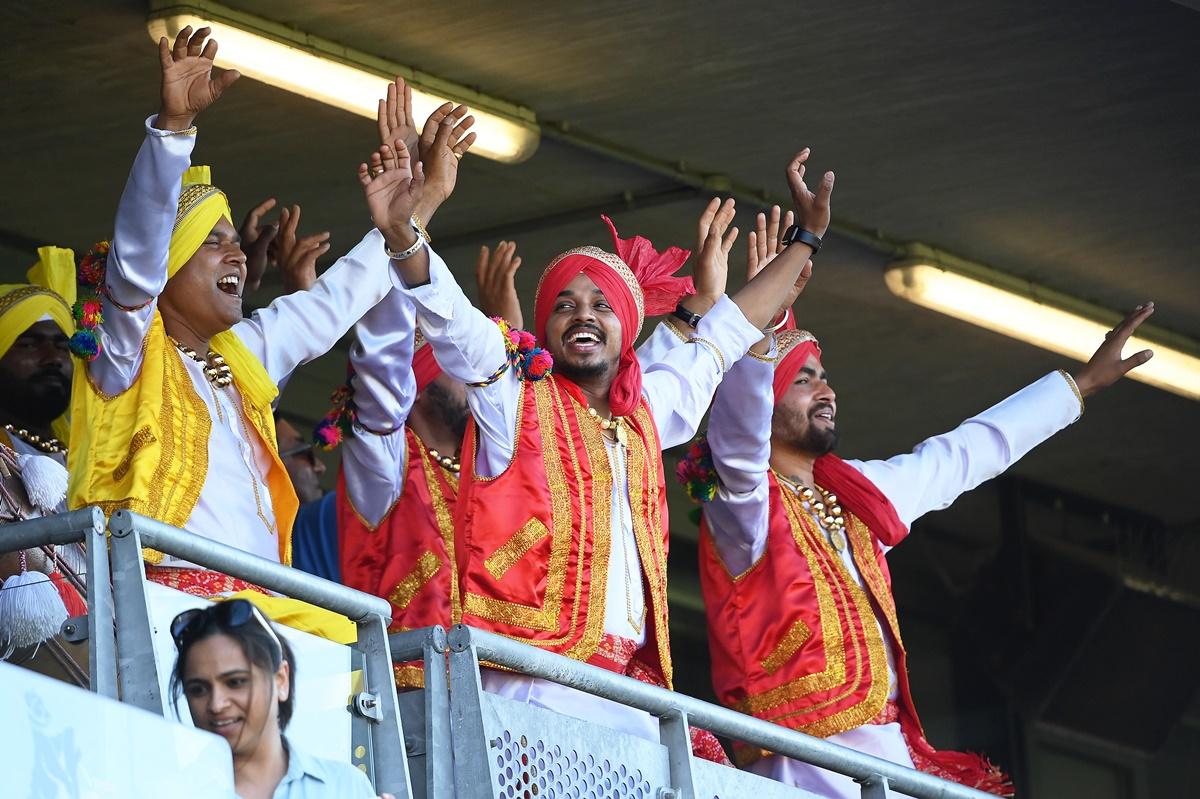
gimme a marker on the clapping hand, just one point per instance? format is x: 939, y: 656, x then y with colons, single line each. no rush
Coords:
x: 393, y: 186
x: 812, y: 209
x: 765, y: 242
x: 395, y: 116
x: 256, y: 243
x: 495, y: 275
x: 1106, y: 365
x: 444, y: 141
x: 297, y: 257
x: 188, y: 85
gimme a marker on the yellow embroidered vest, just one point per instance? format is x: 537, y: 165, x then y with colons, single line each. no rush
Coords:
x: 146, y: 449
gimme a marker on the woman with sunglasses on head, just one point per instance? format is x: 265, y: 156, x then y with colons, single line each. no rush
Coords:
x: 239, y: 679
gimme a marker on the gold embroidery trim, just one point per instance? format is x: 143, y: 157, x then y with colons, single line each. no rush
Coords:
x: 516, y: 547
x: 17, y: 296
x: 427, y: 566
x: 787, y: 647
x: 435, y: 478
x: 547, y: 617
x: 140, y: 439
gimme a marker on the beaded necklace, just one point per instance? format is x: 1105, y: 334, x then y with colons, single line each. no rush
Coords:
x: 215, y: 368
x: 48, y: 445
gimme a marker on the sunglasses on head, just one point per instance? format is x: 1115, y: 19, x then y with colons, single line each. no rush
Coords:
x: 228, y: 614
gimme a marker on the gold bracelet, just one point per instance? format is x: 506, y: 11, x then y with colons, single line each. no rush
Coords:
x: 1074, y: 387
x: 769, y: 358
x: 715, y: 350
x: 679, y: 334
x: 420, y: 228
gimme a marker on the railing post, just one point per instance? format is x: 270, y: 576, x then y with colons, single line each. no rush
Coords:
x: 675, y: 733
x: 875, y: 787
x: 472, y: 769
x: 137, y: 665
x: 387, y: 732
x: 102, y: 647
x: 439, y: 748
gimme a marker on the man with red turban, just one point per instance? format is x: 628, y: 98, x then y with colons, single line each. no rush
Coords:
x: 791, y: 521
x: 561, y: 528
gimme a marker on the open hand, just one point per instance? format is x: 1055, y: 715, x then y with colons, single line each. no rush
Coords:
x: 1106, y: 365
x: 393, y: 187
x: 297, y: 257
x: 188, y: 85
x: 495, y: 275
x: 765, y: 242
x: 256, y: 243
x: 812, y: 210
x: 711, y: 273
x: 715, y: 239
x: 444, y: 141
x: 395, y: 116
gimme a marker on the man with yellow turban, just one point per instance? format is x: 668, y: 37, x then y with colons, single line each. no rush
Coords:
x: 172, y: 417
x: 35, y: 366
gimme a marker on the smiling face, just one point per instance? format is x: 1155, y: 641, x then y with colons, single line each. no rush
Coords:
x: 36, y: 375
x: 583, y: 332
x: 805, y: 416
x: 206, y: 293
x: 232, y: 697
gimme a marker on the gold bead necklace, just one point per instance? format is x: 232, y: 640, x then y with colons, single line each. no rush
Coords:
x: 827, y: 510
x: 49, y: 445
x: 215, y: 368
x: 447, y: 462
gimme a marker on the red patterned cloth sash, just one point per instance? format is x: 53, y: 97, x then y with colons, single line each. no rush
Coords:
x: 198, y: 582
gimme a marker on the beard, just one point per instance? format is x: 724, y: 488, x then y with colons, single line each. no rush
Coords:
x: 40, y: 399
x: 818, y: 441
x: 576, y: 372
x: 452, y: 411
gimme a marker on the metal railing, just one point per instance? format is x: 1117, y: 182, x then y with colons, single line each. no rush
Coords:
x: 458, y: 740
x: 85, y: 526
x: 384, y: 753
x: 474, y: 739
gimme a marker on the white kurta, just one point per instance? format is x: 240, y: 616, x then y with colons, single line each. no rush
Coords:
x: 678, y: 386
x: 929, y: 478
x: 234, y: 506
x: 384, y: 391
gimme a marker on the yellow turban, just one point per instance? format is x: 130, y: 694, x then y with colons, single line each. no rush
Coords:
x: 201, y: 204
x: 50, y: 292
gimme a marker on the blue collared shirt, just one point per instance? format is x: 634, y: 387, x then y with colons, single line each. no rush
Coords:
x: 311, y: 777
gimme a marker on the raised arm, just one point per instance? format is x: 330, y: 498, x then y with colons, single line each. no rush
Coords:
x: 384, y: 391
x: 137, y: 261
x: 941, y: 468
x: 495, y: 278
x: 760, y: 298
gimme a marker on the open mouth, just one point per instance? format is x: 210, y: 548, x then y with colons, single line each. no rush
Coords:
x: 231, y: 284
x: 227, y: 728
x: 824, y: 415
x: 583, y: 340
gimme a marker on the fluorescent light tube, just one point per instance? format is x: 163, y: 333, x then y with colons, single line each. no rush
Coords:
x: 334, y: 75
x: 1026, y: 316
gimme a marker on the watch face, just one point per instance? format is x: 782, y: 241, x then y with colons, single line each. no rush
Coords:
x: 790, y: 235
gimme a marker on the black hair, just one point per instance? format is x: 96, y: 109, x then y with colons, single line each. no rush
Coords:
x: 261, y: 648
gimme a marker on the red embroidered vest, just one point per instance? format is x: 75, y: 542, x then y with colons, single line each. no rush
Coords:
x: 794, y: 639
x: 533, y: 542
x: 408, y: 558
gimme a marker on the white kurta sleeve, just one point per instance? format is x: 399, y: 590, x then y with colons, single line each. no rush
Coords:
x: 739, y: 434
x: 679, y: 385
x: 470, y: 348
x: 137, y: 259
x: 384, y: 391
x: 664, y: 339
x: 941, y: 468
x: 298, y: 327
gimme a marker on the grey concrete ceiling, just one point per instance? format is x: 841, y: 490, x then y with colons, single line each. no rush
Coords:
x: 1053, y: 141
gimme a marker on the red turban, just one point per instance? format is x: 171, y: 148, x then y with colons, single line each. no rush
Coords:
x: 854, y: 491
x: 637, y: 282
x: 425, y: 367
